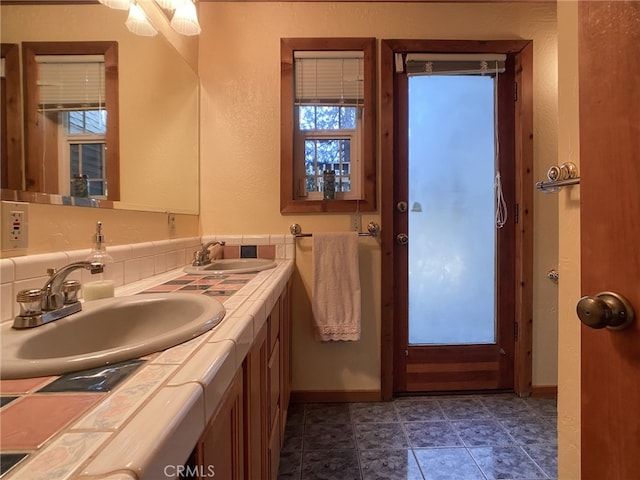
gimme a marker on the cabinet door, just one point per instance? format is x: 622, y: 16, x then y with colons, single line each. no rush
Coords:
x: 221, y: 446
x: 285, y: 357
x: 255, y: 397
x: 274, y: 325
x: 274, y: 449
x: 274, y: 384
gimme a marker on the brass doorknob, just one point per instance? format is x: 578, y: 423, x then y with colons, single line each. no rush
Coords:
x: 402, y: 239
x: 606, y: 309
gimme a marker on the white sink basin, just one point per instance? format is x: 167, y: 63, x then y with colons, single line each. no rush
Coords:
x: 107, y: 331
x: 232, y: 265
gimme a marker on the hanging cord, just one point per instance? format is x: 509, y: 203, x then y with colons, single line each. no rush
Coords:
x: 501, y: 204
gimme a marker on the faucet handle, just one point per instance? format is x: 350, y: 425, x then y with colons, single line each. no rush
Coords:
x: 30, y: 302
x: 70, y: 289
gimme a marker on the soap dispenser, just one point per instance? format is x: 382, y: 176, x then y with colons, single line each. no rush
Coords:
x: 102, y: 288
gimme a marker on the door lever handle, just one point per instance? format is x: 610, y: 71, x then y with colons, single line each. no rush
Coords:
x: 606, y: 309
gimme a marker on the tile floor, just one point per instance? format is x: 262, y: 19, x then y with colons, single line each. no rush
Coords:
x: 470, y: 437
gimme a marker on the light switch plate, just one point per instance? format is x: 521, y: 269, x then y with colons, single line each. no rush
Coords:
x: 15, y: 225
x: 356, y: 222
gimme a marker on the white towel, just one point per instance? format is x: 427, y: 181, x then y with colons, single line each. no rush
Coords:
x: 336, y: 299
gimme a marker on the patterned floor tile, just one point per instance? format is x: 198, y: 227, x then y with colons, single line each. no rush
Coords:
x: 419, y: 410
x: 529, y: 431
x: 373, y: 412
x: 328, y: 437
x: 339, y: 465
x: 545, y: 456
x: 510, y: 462
x: 389, y: 465
x: 447, y: 464
x: 461, y: 437
x: 460, y: 408
x: 476, y: 433
x: 506, y: 406
x: 432, y: 434
x: 290, y: 465
x: 327, y: 413
x: 371, y: 436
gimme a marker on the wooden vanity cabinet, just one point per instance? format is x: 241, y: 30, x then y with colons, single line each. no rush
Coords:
x: 267, y: 389
x: 255, y: 408
x: 245, y: 435
x: 221, y: 448
x: 285, y: 358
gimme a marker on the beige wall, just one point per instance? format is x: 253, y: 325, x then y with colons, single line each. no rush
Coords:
x: 240, y: 151
x: 55, y: 228
x: 569, y: 248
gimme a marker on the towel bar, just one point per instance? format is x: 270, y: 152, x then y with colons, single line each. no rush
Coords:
x: 373, y: 229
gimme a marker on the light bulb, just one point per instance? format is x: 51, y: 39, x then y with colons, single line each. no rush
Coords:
x: 138, y: 22
x: 185, y: 19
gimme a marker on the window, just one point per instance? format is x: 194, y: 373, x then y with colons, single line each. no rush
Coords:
x: 72, y: 95
x: 328, y: 120
x: 85, y: 144
x: 71, y: 107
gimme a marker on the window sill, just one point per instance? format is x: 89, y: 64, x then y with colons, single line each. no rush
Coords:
x: 326, y: 206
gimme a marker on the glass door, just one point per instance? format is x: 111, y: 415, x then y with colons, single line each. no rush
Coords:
x: 452, y: 252
x: 455, y: 277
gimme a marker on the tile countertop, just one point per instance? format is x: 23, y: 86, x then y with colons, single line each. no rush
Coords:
x: 146, y: 427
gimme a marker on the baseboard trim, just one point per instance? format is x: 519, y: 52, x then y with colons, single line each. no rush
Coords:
x: 335, y: 396
x: 544, y: 391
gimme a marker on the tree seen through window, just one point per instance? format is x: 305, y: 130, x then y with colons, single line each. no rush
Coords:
x: 328, y: 130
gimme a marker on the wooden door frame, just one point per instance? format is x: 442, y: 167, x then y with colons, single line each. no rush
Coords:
x: 523, y: 53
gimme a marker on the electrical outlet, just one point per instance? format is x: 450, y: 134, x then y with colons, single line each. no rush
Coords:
x: 171, y: 223
x: 15, y: 223
x: 356, y: 222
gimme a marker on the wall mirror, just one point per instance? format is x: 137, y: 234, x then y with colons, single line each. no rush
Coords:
x: 157, y: 110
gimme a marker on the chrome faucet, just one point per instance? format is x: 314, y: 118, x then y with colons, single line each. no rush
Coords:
x: 201, y: 257
x: 57, y: 299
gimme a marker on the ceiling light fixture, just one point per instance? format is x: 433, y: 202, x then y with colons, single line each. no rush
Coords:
x: 185, y: 19
x: 169, y: 4
x: 138, y: 23
x: 116, y: 4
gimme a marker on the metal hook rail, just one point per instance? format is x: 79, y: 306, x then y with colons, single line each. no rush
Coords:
x: 553, y: 186
x: 373, y: 229
x: 559, y: 176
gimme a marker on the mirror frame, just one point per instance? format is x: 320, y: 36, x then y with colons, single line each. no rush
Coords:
x: 34, y: 180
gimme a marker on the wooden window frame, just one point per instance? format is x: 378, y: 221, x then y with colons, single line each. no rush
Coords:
x: 34, y: 180
x: 11, y: 129
x: 288, y: 201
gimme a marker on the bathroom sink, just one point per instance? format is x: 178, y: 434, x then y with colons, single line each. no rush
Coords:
x: 107, y: 331
x: 232, y: 265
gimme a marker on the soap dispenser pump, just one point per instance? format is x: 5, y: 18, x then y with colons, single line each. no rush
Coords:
x: 102, y: 288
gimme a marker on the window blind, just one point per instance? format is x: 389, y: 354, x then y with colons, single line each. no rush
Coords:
x: 329, y: 78
x: 71, y: 82
x: 454, y: 64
